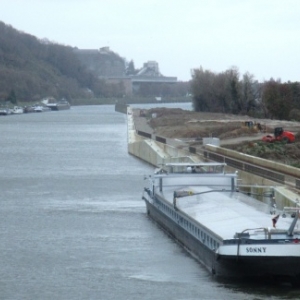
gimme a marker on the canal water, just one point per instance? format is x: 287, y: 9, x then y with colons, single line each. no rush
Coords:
x: 72, y: 222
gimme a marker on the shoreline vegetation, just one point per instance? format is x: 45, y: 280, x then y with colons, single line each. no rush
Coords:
x: 129, y: 100
x: 108, y: 101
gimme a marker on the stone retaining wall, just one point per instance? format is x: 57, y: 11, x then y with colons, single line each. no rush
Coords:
x: 282, y: 168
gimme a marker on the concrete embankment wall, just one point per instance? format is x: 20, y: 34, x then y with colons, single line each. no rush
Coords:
x: 268, y: 164
x: 148, y: 147
x: 284, y: 196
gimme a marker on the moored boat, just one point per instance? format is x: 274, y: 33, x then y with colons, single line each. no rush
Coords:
x: 38, y: 108
x: 28, y: 109
x: 17, y: 110
x: 62, y: 104
x: 4, y: 111
x: 232, y: 234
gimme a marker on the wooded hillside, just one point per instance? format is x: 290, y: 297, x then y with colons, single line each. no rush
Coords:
x: 31, y: 69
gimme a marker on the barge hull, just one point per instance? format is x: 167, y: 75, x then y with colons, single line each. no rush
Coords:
x: 204, y: 255
x: 271, y: 268
x: 61, y: 107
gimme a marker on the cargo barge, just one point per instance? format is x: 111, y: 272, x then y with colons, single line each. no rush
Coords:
x: 232, y: 234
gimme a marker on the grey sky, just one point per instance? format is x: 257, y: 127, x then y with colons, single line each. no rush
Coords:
x: 258, y: 36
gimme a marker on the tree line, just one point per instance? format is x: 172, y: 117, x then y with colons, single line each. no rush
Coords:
x: 229, y: 92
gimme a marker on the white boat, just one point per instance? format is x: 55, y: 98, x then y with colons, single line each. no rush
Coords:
x: 38, y: 108
x: 4, y: 111
x: 232, y: 234
x: 17, y: 110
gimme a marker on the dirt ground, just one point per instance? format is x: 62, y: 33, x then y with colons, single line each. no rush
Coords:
x: 231, y: 129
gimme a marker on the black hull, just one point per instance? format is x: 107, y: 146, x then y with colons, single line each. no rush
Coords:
x: 254, y: 268
x: 189, y: 242
x: 59, y: 107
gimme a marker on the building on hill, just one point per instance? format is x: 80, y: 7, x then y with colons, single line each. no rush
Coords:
x: 108, y: 65
x: 150, y: 69
x: 102, y: 62
x: 150, y: 74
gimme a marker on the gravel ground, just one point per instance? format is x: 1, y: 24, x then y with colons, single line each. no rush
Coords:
x: 193, y: 126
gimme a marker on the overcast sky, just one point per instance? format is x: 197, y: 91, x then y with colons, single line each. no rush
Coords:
x: 261, y: 37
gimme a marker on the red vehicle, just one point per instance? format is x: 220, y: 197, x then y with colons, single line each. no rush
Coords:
x: 280, y: 135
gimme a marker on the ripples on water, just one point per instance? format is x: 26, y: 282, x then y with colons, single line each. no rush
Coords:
x: 72, y: 222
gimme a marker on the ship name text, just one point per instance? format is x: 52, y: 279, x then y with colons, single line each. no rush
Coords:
x: 256, y: 249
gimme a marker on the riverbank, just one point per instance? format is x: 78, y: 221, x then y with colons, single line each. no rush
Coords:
x: 144, y: 143
x: 192, y: 127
